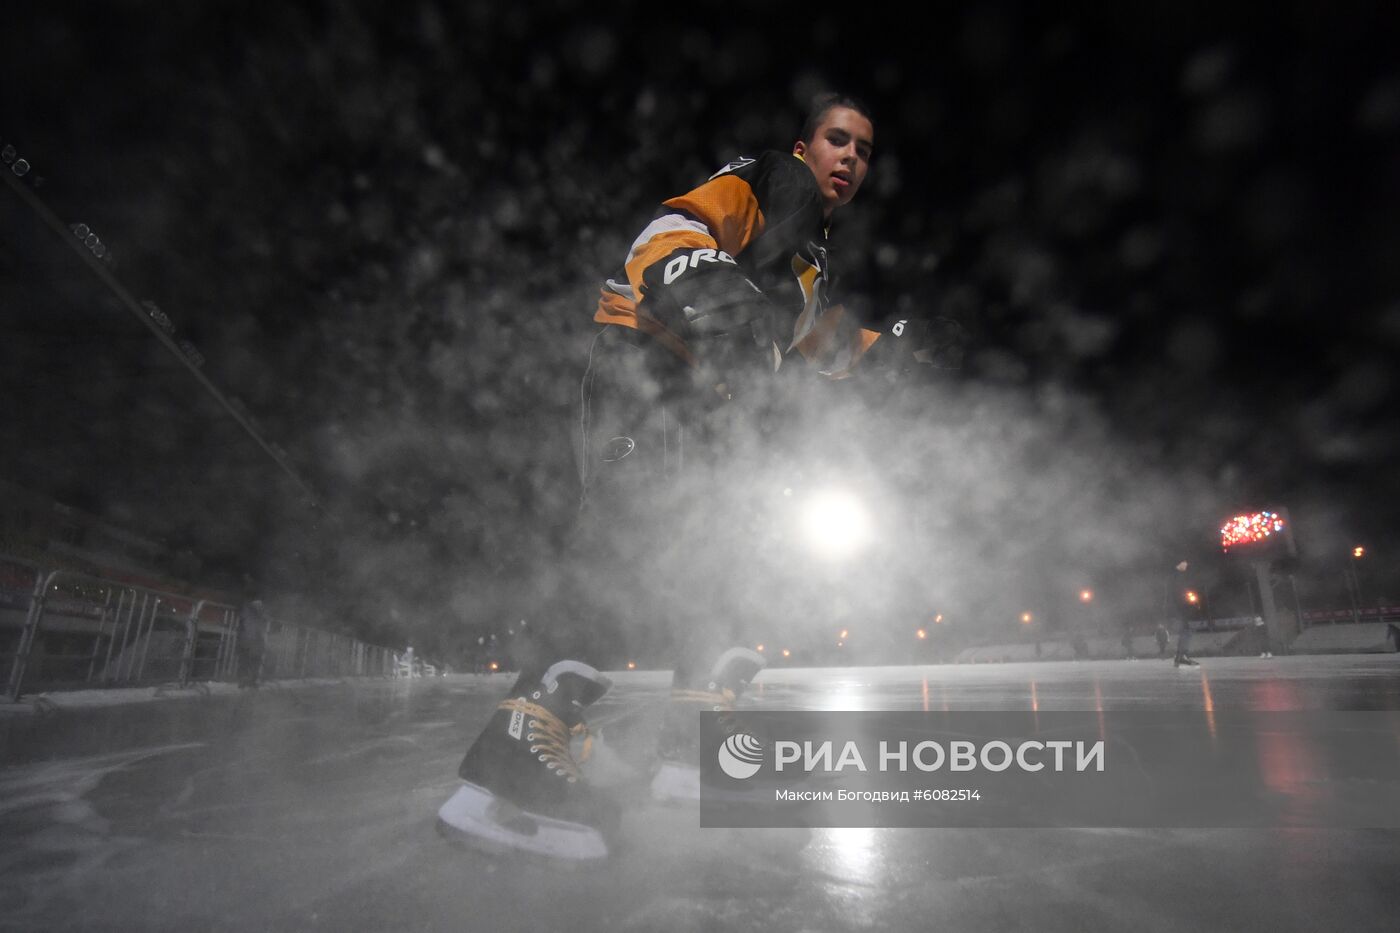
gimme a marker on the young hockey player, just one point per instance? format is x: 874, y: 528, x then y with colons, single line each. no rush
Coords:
x: 725, y: 287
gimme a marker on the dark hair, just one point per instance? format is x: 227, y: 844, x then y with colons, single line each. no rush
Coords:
x: 824, y: 103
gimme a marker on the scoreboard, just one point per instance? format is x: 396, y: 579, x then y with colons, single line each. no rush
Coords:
x: 1263, y: 535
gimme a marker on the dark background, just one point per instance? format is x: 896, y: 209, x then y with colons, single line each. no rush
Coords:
x: 1168, y: 230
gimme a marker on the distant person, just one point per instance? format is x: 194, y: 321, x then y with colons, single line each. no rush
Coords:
x: 1163, y: 638
x: 1127, y: 642
x: 252, y: 642
x: 1080, y: 644
x: 1183, y: 642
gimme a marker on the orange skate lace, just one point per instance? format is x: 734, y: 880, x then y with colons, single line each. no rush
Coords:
x: 550, y: 739
x: 720, y: 701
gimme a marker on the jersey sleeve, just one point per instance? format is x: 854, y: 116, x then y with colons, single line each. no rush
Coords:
x: 687, y: 268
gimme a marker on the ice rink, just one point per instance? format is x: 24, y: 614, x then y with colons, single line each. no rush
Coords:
x: 312, y: 807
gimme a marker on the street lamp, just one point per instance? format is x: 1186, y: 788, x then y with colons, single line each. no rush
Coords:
x: 1201, y: 601
x: 921, y: 634
x: 1353, y: 577
x: 1086, y: 596
x: 1027, y: 618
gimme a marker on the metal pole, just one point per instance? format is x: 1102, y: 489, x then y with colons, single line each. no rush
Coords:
x: 1297, y: 603
x: 1278, y: 632
x: 146, y: 645
x: 1353, y: 591
x: 26, y: 638
x: 191, y: 637
x: 97, y: 642
x: 221, y: 656
x: 262, y: 651
x: 131, y: 639
x: 116, y: 620
x: 228, y: 643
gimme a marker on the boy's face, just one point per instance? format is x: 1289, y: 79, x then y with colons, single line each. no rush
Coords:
x: 839, y: 154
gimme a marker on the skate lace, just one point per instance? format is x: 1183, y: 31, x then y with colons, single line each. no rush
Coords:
x: 550, y: 739
x: 719, y: 701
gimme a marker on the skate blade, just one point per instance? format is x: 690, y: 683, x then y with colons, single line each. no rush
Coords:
x: 475, y: 818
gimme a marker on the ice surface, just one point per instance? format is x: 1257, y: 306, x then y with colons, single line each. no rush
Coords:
x: 312, y: 808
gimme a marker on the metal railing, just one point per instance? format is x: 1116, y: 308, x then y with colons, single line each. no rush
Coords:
x: 62, y: 628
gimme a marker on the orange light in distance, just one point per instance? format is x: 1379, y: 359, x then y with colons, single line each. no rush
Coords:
x: 1027, y: 618
x: 921, y: 634
x: 1086, y: 596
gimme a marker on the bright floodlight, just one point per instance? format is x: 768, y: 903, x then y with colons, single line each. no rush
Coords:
x: 835, y: 524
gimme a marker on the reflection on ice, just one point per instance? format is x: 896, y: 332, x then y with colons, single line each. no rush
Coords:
x: 848, y: 853
x: 845, y: 695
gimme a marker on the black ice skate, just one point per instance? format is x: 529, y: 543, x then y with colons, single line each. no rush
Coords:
x: 1183, y: 660
x: 678, y: 775
x: 522, y: 789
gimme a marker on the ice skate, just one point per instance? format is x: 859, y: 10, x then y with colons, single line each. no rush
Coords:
x: 522, y: 789
x: 1184, y: 660
x: 677, y: 778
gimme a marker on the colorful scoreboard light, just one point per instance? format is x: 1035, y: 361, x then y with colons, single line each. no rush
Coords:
x: 1264, y: 535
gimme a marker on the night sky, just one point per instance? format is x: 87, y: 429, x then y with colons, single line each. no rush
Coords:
x: 1167, y: 233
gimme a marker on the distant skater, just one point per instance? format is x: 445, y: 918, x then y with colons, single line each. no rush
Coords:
x: 1183, y: 642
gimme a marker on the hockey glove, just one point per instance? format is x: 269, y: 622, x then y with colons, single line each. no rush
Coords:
x: 908, y: 343
x: 702, y: 293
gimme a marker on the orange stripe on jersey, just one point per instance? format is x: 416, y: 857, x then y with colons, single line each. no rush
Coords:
x: 617, y: 309
x: 820, y: 340
x: 828, y: 338
x: 866, y: 340
x: 860, y: 343
x: 806, y: 276
x: 661, y: 246
x: 727, y: 206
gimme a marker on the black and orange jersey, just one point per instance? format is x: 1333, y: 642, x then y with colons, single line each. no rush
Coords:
x: 752, y: 233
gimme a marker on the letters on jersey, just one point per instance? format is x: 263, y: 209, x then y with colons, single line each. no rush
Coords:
x: 756, y: 223
x: 680, y: 263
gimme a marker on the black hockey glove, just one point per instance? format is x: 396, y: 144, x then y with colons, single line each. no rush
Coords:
x: 702, y: 294
x: 908, y: 344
